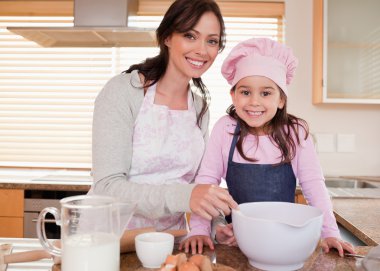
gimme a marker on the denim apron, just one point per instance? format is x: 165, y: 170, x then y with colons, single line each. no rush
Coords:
x: 258, y: 182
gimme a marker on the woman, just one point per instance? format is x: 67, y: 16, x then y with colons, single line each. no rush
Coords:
x: 150, y: 129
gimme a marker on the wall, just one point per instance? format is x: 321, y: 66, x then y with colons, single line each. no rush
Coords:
x: 361, y: 120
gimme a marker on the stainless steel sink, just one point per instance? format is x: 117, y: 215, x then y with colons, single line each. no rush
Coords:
x: 343, y: 183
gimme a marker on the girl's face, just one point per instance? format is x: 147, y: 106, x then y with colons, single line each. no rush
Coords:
x: 192, y: 53
x: 256, y: 100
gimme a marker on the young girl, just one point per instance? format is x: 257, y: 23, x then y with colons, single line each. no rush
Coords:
x: 259, y: 148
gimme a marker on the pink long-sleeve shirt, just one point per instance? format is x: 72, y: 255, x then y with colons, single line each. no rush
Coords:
x: 305, y: 166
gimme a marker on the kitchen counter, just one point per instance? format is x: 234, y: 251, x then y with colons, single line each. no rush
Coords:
x: 35, y: 179
x: 375, y: 179
x: 226, y: 257
x: 232, y: 257
x: 360, y: 216
x: 354, y: 193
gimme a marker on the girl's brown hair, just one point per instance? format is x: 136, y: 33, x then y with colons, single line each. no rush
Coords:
x: 181, y: 17
x: 280, y: 128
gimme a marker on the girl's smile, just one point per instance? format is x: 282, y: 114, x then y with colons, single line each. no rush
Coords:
x: 256, y: 100
x: 254, y: 113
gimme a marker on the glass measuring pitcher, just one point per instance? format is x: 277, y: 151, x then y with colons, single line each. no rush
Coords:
x: 91, y: 227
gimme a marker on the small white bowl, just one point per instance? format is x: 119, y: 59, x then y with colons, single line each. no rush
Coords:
x: 277, y: 235
x: 152, y: 248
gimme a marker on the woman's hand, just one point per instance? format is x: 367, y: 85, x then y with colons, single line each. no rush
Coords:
x: 209, y: 200
x: 196, y: 241
x: 225, y: 235
x: 338, y: 244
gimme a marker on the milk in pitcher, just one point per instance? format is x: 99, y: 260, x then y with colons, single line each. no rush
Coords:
x: 91, y: 252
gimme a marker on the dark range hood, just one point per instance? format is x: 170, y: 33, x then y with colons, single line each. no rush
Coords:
x: 97, y: 23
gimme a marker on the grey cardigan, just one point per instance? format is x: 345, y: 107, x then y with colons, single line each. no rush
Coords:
x: 115, y: 112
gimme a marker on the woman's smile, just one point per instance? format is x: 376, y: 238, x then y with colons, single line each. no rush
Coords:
x: 196, y: 63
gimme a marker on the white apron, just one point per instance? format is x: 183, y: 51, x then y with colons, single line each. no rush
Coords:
x: 167, y: 148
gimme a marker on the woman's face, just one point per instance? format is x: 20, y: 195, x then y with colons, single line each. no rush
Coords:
x: 192, y: 53
x: 256, y: 100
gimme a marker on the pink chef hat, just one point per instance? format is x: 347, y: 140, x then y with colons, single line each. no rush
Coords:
x: 261, y: 56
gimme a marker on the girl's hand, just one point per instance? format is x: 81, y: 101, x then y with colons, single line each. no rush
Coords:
x: 338, y: 244
x: 196, y: 241
x: 225, y: 235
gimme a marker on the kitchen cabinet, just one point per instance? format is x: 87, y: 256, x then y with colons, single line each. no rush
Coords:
x: 24, y: 192
x: 11, y: 212
x: 346, y: 51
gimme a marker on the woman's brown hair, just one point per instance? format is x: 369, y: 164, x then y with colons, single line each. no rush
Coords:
x: 283, y: 131
x: 181, y: 17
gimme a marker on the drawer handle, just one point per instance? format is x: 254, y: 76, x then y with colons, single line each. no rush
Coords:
x: 46, y: 220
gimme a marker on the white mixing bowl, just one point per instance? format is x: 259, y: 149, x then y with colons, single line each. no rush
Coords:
x: 277, y: 235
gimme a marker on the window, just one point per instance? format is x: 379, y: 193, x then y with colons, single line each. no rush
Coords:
x: 346, y: 55
x: 47, y: 94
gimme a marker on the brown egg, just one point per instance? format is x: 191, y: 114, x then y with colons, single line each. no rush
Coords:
x: 206, y: 264
x: 171, y: 259
x: 188, y: 266
x: 197, y: 259
x: 181, y: 258
x: 168, y: 267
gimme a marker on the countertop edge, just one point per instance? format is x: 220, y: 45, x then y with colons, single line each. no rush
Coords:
x: 355, y: 231
x: 49, y: 186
